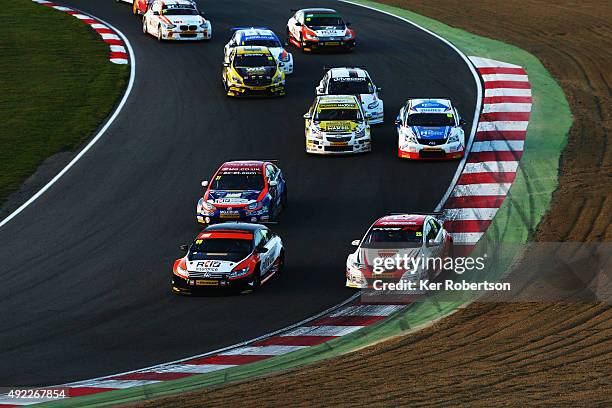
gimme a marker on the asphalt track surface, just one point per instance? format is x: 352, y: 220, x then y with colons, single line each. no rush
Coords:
x: 85, y: 269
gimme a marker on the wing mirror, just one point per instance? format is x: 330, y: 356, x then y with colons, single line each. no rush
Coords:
x: 298, y: 24
x: 398, y: 122
x: 307, y: 115
x: 431, y: 242
x: 226, y: 64
x: 205, y: 183
x: 320, y: 90
x: 462, y: 122
x: 184, y: 247
x: 272, y: 183
x: 379, y: 89
x: 355, y: 242
x: 156, y: 13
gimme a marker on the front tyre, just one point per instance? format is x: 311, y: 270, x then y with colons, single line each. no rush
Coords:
x: 144, y: 26
x: 159, y: 33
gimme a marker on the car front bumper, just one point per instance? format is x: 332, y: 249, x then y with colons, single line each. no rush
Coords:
x: 417, y: 151
x: 323, y: 146
x: 197, y: 35
x: 245, y: 90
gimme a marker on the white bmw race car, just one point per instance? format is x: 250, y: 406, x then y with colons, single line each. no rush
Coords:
x: 260, y: 36
x: 176, y: 20
x: 430, y: 129
x: 337, y: 124
x: 354, y: 81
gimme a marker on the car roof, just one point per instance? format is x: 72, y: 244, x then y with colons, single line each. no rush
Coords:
x: 252, y: 49
x: 430, y: 105
x: 331, y: 99
x: 348, y: 72
x: 178, y: 2
x: 400, y: 220
x: 318, y: 10
x: 256, y: 33
x: 243, y: 165
x: 234, y: 226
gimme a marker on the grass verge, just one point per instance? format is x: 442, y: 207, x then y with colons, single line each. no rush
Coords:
x: 58, y: 86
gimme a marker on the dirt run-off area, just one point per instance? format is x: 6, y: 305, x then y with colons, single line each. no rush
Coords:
x: 505, y: 354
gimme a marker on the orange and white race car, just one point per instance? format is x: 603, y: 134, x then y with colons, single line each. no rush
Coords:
x: 231, y: 255
x: 176, y: 20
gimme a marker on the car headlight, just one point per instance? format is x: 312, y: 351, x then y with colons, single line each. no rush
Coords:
x: 310, y: 35
x: 409, y: 136
x: 257, y: 205
x: 208, y: 207
x: 204, y: 24
x: 360, y: 133
x: 454, y: 137
x: 169, y: 26
x: 182, y: 272
x: 278, y: 79
x: 373, y: 105
x: 234, y: 78
x: 348, y: 35
x: 316, y: 132
x: 284, y: 56
x: 239, y: 272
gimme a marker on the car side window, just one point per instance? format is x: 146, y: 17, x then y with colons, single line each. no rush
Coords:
x: 265, y: 236
x: 433, y: 229
x: 258, y: 238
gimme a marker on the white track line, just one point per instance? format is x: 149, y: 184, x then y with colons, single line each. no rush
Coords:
x: 93, y: 141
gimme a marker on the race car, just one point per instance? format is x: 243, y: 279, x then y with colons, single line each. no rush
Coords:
x: 175, y: 20
x: 231, y: 255
x: 411, y: 235
x: 138, y: 6
x: 430, y: 129
x: 252, y: 71
x: 252, y: 191
x: 261, y: 36
x: 354, y: 81
x: 337, y: 124
x: 318, y: 29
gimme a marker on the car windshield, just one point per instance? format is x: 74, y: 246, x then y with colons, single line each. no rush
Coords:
x: 262, y: 42
x: 254, y: 60
x: 225, y: 249
x: 179, y: 11
x: 338, y: 114
x: 324, y: 20
x: 431, y: 119
x: 407, y: 236
x: 350, y: 86
x: 233, y: 181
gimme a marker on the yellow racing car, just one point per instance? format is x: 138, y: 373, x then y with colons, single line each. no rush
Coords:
x: 252, y: 71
